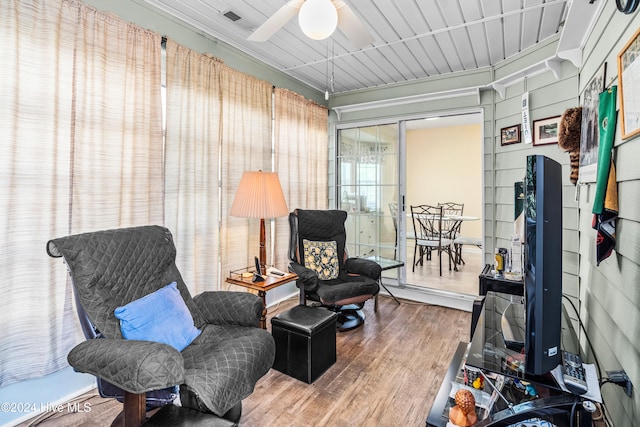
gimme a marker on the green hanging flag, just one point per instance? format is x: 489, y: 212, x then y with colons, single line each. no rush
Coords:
x: 605, y: 204
x: 607, y: 124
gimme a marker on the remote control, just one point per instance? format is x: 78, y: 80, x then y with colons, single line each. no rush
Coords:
x: 573, y: 373
x: 271, y: 271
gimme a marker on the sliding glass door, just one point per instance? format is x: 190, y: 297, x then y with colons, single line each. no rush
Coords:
x: 382, y: 169
x: 368, y: 187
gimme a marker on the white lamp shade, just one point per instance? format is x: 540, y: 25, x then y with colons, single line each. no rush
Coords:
x: 259, y: 195
x: 318, y: 19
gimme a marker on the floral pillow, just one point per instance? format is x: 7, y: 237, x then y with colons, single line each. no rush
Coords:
x: 322, y: 257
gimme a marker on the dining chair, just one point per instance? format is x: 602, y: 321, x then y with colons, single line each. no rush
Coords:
x: 451, y: 226
x: 452, y: 229
x: 427, y: 226
x: 459, y: 242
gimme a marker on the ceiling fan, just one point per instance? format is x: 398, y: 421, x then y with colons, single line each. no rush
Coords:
x: 318, y: 20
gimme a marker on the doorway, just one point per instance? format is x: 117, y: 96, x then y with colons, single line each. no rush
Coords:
x: 444, y: 165
x: 383, y: 168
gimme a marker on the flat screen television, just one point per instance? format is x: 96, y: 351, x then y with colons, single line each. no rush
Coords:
x: 543, y: 264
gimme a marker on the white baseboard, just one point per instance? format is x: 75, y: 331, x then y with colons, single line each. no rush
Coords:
x: 36, y: 396
x: 414, y: 293
x: 432, y: 296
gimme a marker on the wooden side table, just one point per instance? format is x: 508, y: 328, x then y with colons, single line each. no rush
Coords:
x: 262, y: 288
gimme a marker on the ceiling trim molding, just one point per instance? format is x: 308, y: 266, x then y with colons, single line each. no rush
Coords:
x: 412, y: 99
x: 553, y: 64
x: 575, y: 33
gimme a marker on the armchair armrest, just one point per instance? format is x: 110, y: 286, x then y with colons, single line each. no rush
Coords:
x: 364, y: 267
x: 134, y: 366
x: 230, y: 308
x: 307, y: 277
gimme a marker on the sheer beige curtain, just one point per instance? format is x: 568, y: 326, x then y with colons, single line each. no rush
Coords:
x: 35, y: 132
x: 74, y: 157
x: 246, y: 145
x: 192, y: 163
x: 117, y: 176
x: 301, y: 159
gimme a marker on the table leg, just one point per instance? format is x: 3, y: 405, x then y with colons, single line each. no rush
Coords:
x: 388, y: 291
x: 263, y: 318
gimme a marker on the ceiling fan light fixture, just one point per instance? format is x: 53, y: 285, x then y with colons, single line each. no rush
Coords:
x: 318, y: 19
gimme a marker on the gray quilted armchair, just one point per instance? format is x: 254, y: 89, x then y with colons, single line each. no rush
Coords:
x: 126, y: 282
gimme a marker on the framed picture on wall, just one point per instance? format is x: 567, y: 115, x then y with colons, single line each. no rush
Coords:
x: 510, y: 135
x: 629, y: 82
x: 545, y: 131
x: 589, y: 130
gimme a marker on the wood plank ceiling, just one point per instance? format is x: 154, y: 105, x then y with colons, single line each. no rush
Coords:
x: 414, y: 39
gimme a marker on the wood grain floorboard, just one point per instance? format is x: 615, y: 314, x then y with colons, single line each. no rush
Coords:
x: 387, y: 374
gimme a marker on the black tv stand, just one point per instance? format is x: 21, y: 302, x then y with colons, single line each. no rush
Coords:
x: 490, y: 283
x: 485, y: 353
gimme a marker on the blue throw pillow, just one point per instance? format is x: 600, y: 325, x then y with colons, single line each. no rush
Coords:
x: 161, y: 316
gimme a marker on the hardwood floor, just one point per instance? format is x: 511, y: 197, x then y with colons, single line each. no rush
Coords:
x: 387, y: 374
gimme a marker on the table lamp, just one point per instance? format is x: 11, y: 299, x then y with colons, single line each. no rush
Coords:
x: 259, y: 195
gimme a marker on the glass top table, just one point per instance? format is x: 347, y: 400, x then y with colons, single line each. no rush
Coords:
x: 385, y: 263
x: 508, y: 394
x: 494, y: 350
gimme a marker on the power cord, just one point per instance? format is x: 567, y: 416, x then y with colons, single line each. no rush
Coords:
x: 620, y: 378
x: 573, y: 412
x: 593, y: 352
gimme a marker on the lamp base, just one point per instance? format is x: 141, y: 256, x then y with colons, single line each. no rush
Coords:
x: 263, y: 247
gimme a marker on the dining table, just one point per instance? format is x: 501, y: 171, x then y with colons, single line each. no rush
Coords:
x: 459, y: 219
x: 454, y: 230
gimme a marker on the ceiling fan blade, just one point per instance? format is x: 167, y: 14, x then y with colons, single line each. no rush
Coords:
x: 352, y: 26
x: 276, y: 21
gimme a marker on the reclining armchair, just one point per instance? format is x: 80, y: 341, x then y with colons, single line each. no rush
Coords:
x: 147, y: 335
x: 327, y: 275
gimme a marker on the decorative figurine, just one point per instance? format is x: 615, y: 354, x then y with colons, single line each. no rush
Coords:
x: 464, y: 413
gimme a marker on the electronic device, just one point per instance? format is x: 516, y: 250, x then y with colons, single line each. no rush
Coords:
x: 258, y: 267
x: 257, y: 277
x: 573, y: 373
x: 543, y: 264
x: 272, y: 271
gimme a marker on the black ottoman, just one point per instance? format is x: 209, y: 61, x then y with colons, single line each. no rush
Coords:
x: 305, y: 342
